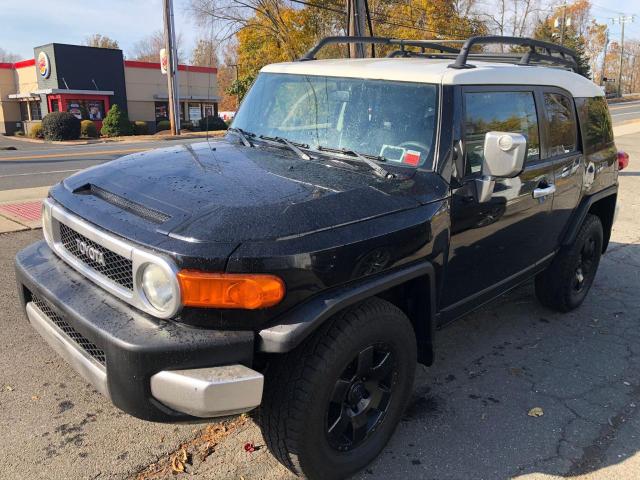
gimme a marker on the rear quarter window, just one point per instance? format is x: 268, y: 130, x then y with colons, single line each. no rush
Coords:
x: 595, y: 123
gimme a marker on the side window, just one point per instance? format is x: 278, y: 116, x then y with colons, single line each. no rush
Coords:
x: 562, y: 124
x: 595, y: 123
x: 513, y: 112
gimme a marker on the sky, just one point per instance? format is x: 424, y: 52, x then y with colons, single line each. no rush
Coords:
x: 25, y: 24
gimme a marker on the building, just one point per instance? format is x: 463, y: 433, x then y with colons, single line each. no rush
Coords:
x: 87, y: 81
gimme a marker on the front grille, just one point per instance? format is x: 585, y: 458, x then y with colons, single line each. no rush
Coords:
x: 117, y: 268
x: 84, y: 343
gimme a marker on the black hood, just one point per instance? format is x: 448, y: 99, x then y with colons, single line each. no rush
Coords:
x: 227, y: 193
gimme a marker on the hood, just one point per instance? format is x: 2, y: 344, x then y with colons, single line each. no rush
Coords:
x: 223, y: 192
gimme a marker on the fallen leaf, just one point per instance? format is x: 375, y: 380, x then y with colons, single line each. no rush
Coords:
x: 516, y: 372
x: 35, y: 397
x: 8, y: 388
x: 249, y: 447
x: 536, y: 412
x: 179, y: 460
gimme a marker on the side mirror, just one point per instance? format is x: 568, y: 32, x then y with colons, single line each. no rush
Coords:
x: 504, y: 155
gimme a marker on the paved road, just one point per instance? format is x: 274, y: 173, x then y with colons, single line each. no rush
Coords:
x: 625, y: 112
x: 38, y: 165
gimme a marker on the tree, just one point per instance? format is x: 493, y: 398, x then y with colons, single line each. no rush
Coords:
x: 148, y: 48
x: 205, y: 53
x: 116, y: 123
x: 8, y: 57
x: 545, y: 31
x: 101, y: 41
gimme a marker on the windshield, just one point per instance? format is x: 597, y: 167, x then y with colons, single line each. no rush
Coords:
x: 380, y: 118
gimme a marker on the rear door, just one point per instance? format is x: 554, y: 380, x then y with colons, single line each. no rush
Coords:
x: 493, y: 244
x: 559, y: 123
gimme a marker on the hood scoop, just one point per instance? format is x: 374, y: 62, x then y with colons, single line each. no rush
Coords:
x: 146, y: 213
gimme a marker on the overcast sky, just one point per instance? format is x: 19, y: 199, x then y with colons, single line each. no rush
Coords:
x: 25, y: 24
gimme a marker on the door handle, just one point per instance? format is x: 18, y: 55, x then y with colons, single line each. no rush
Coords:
x: 544, y: 192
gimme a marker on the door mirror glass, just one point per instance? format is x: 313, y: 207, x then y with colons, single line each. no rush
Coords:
x: 504, y: 154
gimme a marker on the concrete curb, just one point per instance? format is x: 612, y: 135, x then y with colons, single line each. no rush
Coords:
x: 128, y: 139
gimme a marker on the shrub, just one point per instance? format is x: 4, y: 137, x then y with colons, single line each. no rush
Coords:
x: 88, y: 129
x: 36, y: 131
x: 140, y: 128
x: 60, y: 126
x: 116, y: 123
x: 163, y: 125
x: 187, y: 125
x: 212, y: 123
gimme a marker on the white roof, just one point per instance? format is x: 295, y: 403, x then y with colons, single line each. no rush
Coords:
x: 436, y: 71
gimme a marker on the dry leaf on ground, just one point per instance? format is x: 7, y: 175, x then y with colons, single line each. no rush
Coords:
x: 536, y: 412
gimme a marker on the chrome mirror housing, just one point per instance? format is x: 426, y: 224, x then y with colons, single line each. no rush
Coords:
x: 504, y: 154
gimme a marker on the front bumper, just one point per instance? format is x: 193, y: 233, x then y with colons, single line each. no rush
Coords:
x: 154, y: 369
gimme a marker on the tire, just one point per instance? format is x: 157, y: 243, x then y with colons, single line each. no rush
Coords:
x: 564, y: 285
x: 314, y: 386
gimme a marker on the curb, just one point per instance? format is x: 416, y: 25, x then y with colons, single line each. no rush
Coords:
x: 14, y: 203
x: 128, y: 139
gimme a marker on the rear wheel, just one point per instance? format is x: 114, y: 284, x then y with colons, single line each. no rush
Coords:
x: 331, y: 405
x: 564, y: 285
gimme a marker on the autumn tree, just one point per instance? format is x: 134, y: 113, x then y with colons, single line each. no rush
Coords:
x: 100, y: 41
x: 205, y: 53
x: 546, y: 31
x: 148, y: 48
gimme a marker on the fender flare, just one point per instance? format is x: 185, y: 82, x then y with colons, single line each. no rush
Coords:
x: 581, y: 212
x: 295, y: 326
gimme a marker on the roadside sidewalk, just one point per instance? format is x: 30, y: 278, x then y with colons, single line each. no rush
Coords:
x: 20, y: 209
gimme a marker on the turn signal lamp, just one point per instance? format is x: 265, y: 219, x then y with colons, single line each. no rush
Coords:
x: 230, y: 290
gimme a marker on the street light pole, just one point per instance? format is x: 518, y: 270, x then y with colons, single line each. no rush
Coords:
x: 172, y: 67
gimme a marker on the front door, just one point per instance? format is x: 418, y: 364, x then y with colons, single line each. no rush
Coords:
x: 495, y: 243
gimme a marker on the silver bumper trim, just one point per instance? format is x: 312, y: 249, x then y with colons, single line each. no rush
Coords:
x: 209, y: 392
x: 81, y: 361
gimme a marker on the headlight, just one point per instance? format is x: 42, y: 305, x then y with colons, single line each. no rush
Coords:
x: 157, y: 287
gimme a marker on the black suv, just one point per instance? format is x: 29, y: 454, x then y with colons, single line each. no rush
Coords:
x: 304, y: 262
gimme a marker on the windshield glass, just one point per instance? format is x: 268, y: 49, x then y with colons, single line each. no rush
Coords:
x: 393, y: 120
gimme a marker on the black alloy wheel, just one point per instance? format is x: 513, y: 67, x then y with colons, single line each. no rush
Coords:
x: 361, y: 397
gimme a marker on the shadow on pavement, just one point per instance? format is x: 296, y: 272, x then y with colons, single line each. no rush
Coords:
x: 469, y: 415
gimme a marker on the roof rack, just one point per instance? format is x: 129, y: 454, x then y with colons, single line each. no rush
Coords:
x: 538, y: 53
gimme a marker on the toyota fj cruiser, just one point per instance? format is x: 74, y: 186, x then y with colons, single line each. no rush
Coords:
x: 354, y: 207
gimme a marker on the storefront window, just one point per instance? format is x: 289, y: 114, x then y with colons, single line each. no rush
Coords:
x: 36, y: 113
x: 87, y: 109
x: 195, y: 112
x: 55, y: 105
x: 209, y: 109
x: 24, y: 113
x: 162, y: 111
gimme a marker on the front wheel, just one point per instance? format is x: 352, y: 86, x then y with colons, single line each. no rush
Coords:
x: 564, y: 285
x: 331, y: 405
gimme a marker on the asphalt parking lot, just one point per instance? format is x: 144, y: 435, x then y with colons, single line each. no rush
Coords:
x: 468, y: 418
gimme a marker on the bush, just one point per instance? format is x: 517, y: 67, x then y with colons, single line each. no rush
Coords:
x: 163, y: 125
x: 187, y: 125
x: 60, y: 126
x: 116, y: 123
x: 36, y: 131
x: 140, y: 128
x: 212, y: 123
x: 88, y: 129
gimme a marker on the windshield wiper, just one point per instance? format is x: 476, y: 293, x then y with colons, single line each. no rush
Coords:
x: 377, y: 169
x: 242, y: 135
x: 292, y: 146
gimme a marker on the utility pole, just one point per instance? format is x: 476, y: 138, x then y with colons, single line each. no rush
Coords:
x: 172, y: 67
x: 622, y: 20
x: 357, y: 11
x: 604, y: 57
